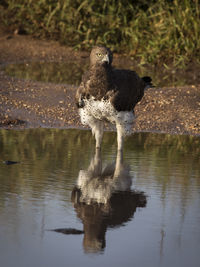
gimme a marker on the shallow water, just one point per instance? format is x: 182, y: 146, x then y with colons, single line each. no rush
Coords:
x: 143, y: 210
x: 71, y: 73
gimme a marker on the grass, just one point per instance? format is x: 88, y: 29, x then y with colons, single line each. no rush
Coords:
x: 158, y: 32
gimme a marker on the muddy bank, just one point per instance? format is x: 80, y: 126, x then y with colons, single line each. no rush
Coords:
x: 25, y: 104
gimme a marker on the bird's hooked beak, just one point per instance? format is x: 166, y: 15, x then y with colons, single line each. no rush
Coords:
x: 106, y: 59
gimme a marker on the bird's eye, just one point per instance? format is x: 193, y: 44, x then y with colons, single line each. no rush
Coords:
x: 99, y: 54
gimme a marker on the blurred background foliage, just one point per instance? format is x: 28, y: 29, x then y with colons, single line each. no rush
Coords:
x: 149, y: 31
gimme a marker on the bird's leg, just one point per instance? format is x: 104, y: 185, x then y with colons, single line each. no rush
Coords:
x: 99, y: 134
x: 120, y: 136
x: 97, y: 130
x: 95, y: 166
x: 118, y: 164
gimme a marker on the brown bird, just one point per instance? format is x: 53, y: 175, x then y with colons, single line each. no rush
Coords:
x: 109, y: 94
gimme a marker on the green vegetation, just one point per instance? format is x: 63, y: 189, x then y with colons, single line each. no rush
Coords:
x: 150, y: 31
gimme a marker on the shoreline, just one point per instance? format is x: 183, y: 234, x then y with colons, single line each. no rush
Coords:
x: 31, y: 104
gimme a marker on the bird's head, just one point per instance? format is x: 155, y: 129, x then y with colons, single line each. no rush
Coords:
x: 100, y: 55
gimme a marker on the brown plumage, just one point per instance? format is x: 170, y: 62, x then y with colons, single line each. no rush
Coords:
x: 106, y: 93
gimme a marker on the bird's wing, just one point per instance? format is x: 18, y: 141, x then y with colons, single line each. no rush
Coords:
x: 82, y: 90
x: 79, y: 95
x: 129, y: 89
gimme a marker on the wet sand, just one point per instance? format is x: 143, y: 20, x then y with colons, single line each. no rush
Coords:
x: 28, y: 104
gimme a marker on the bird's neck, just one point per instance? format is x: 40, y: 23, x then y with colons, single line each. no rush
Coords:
x: 100, y: 71
x: 100, y: 80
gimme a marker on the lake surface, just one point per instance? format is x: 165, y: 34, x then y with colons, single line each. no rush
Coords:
x: 71, y: 72
x: 65, y: 204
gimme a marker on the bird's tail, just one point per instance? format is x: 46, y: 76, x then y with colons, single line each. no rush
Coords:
x: 148, y: 82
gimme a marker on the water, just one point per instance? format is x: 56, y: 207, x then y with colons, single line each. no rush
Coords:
x: 71, y: 73
x: 147, y: 215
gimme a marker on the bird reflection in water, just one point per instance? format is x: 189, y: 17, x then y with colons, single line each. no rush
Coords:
x: 103, y: 198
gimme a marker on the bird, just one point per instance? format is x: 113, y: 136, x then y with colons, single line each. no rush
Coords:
x: 108, y: 94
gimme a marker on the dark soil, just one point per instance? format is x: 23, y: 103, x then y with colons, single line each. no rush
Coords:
x: 25, y: 104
